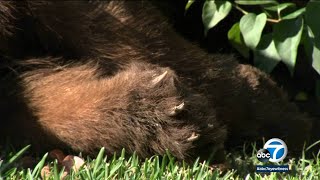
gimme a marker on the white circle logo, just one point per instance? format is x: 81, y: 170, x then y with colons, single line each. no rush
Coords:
x: 277, y: 148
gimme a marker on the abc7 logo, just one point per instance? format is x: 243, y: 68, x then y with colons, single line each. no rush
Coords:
x: 274, y: 150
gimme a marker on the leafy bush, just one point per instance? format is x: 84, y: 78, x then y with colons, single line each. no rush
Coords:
x: 273, y: 31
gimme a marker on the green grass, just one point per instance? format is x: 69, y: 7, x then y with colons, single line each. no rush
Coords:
x: 118, y: 167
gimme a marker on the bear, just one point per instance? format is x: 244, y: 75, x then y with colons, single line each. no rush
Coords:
x: 115, y: 74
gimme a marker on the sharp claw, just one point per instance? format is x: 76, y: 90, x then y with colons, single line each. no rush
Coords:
x: 193, y: 137
x: 177, y: 109
x: 159, y: 78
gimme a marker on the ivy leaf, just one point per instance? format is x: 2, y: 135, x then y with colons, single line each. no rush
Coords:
x: 317, y: 89
x: 213, y: 12
x: 313, y: 46
x: 279, y: 7
x: 255, y: 2
x: 236, y: 40
x: 287, y: 36
x: 316, y: 55
x: 295, y: 14
x: 251, y: 27
x: 266, y: 56
x: 311, y: 17
x: 307, y: 41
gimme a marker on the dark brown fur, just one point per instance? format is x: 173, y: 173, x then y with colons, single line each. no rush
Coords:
x: 102, y: 91
x: 135, y: 109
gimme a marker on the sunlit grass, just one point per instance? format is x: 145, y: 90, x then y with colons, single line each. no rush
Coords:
x: 166, y: 167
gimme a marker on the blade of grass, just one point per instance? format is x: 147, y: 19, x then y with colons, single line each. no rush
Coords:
x: 39, y: 166
x: 98, y: 161
x: 14, y: 158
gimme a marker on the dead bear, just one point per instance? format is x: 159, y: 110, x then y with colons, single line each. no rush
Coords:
x: 86, y: 74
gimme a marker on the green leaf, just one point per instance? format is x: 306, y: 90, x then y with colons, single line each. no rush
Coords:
x: 307, y: 41
x: 295, y: 14
x: 189, y: 3
x: 213, y: 12
x: 316, y: 55
x: 236, y: 40
x: 251, y: 27
x: 279, y: 7
x: 312, y: 17
x: 266, y: 56
x: 287, y: 36
x: 312, y: 44
x: 255, y: 2
x: 317, y: 93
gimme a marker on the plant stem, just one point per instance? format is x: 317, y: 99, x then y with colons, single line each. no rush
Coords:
x: 240, y: 9
x: 246, y: 12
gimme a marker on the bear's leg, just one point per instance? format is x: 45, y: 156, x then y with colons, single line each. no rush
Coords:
x: 143, y: 108
x: 244, y: 98
x: 272, y: 111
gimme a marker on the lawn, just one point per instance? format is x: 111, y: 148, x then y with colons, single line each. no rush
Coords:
x: 241, y: 166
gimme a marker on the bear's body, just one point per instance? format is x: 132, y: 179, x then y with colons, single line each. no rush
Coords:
x: 125, y: 79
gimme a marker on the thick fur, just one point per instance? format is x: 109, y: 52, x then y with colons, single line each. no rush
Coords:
x: 125, y: 79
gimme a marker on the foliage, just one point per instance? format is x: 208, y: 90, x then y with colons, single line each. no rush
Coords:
x: 166, y: 167
x: 273, y: 31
